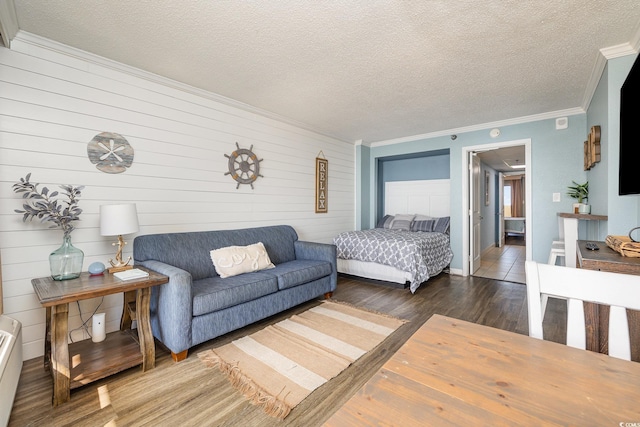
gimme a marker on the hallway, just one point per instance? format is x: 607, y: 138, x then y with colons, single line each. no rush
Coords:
x: 505, y: 263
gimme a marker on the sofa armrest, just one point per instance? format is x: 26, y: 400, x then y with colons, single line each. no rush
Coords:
x: 320, y: 252
x: 171, y: 306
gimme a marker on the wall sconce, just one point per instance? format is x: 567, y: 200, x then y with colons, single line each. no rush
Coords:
x: 116, y: 220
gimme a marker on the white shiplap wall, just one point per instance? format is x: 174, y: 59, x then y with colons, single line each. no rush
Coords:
x: 52, y: 103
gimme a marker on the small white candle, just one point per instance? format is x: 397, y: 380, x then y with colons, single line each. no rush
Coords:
x: 98, y: 332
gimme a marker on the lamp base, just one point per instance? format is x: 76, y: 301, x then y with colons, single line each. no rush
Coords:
x: 112, y: 270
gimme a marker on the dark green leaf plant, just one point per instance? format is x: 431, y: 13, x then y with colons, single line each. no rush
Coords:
x: 579, y: 191
x: 43, y: 204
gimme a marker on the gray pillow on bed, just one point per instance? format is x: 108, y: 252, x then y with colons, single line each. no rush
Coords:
x: 402, y: 222
x: 423, y: 225
x: 385, y: 222
x: 442, y: 225
x: 439, y: 225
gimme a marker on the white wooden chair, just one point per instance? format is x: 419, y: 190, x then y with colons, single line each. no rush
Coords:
x: 619, y: 291
x: 557, y: 251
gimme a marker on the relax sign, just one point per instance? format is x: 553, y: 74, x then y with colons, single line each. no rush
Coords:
x: 322, y: 166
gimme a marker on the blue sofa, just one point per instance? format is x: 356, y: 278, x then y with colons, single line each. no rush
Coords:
x: 197, y: 305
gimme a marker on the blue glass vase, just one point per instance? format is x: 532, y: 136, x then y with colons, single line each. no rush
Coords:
x: 66, y: 261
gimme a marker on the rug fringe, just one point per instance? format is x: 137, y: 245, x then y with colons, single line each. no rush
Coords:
x: 274, y: 406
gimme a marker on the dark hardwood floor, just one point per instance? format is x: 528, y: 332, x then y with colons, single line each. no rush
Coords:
x: 190, y: 394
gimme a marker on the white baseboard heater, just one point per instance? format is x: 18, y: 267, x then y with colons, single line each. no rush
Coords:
x: 10, y: 364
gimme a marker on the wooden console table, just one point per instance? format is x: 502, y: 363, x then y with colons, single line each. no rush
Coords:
x: 569, y: 232
x: 452, y: 372
x: 597, y: 316
x: 74, y: 365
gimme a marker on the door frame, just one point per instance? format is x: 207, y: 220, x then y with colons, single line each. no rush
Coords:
x: 475, y: 216
x: 466, y: 213
x: 500, y: 210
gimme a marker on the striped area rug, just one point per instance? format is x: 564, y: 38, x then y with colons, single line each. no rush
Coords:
x: 280, y: 365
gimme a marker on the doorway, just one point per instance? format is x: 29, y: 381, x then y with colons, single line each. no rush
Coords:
x: 510, y: 252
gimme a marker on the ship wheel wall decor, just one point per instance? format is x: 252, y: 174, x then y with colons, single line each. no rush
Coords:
x: 244, y: 166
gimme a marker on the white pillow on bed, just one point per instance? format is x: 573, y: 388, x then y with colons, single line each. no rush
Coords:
x: 422, y: 217
x: 402, y: 222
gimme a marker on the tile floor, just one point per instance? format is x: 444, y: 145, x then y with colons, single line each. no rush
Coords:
x: 505, y: 263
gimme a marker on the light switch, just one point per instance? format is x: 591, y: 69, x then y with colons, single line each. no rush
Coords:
x: 556, y: 197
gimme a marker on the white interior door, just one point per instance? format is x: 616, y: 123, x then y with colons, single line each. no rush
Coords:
x: 500, y: 212
x: 475, y: 219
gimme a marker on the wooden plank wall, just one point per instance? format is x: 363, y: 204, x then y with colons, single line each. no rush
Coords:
x: 54, y: 100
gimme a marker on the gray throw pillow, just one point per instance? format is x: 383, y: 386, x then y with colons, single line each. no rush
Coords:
x: 442, y: 225
x: 423, y: 225
x: 385, y: 222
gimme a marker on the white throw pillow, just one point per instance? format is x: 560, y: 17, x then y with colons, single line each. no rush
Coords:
x: 422, y: 217
x: 234, y: 260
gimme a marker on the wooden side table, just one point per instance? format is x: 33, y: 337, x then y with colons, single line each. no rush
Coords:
x: 74, y: 365
x: 597, y: 316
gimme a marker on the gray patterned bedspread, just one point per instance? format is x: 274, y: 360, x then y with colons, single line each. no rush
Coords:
x: 423, y: 254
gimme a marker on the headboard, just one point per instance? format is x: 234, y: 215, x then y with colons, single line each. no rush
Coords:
x: 429, y: 197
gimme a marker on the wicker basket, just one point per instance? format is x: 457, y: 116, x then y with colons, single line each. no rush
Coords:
x: 624, y: 245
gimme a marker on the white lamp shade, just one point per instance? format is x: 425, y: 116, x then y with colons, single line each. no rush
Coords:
x: 116, y: 220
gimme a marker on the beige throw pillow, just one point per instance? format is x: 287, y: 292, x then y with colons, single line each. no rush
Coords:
x: 234, y: 260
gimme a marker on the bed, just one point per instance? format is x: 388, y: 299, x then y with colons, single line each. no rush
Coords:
x: 404, y: 247
x: 514, y: 225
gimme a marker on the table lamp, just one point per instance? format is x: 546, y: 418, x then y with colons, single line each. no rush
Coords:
x: 116, y: 220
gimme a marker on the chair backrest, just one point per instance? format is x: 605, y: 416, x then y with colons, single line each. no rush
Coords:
x: 619, y: 291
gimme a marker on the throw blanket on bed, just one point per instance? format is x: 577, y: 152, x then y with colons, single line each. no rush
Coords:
x: 423, y: 254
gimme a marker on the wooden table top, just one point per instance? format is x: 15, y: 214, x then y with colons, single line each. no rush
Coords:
x: 587, y: 217
x: 606, y: 259
x: 53, y: 292
x: 452, y: 372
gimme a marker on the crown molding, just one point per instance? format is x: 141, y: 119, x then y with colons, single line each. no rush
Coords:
x: 483, y: 126
x: 618, y: 51
x: 635, y: 38
x: 9, y: 26
x: 604, y: 55
x: 30, y: 39
x: 594, y: 79
x: 601, y: 59
x: 8, y: 22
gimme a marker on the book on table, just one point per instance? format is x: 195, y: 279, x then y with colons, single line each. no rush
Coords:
x: 135, y: 273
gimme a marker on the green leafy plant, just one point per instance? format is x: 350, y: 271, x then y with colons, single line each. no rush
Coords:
x: 579, y: 191
x: 43, y: 205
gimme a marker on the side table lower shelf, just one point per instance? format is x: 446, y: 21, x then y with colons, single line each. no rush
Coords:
x: 77, y: 364
x: 91, y: 361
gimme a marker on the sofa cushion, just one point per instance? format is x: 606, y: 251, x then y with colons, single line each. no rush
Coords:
x: 233, y: 260
x: 215, y: 293
x: 294, y: 273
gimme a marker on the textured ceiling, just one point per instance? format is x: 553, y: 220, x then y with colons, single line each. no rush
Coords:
x: 357, y: 69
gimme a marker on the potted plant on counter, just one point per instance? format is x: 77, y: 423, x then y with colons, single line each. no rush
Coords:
x: 580, y: 192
